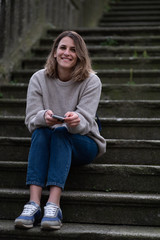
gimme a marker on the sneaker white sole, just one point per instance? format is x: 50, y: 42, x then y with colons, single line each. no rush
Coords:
x: 46, y: 225
x: 22, y: 225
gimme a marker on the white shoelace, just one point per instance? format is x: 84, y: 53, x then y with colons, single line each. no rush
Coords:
x: 28, y: 210
x: 50, y: 210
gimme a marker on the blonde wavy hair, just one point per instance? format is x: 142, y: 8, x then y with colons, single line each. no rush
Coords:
x: 82, y: 68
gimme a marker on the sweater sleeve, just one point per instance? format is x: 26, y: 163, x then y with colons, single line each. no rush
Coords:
x: 87, y: 106
x: 34, y: 109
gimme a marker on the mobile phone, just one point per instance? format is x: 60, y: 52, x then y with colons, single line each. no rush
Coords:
x: 59, y: 118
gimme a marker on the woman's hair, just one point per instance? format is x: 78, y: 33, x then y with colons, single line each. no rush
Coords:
x: 82, y: 68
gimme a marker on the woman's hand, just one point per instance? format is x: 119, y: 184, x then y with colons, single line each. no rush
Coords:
x: 72, y: 119
x: 49, y: 120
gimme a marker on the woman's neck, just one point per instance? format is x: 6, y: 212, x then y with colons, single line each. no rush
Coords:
x: 64, y: 75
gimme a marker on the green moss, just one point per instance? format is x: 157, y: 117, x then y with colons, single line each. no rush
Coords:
x: 145, y: 54
x: 135, y: 54
x: 109, y: 42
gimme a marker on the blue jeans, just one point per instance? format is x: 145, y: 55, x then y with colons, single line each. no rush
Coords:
x: 53, y: 151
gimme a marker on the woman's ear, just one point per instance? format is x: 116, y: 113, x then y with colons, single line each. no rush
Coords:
x: 55, y: 54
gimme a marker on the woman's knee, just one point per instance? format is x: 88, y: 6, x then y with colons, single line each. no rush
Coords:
x: 60, y: 130
x: 40, y: 135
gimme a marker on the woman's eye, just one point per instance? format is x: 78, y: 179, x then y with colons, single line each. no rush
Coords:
x: 62, y: 47
x: 73, y: 50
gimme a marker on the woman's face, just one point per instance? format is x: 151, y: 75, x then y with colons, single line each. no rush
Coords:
x: 66, y: 54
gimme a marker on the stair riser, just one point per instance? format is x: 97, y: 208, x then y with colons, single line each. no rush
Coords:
x: 106, y: 64
x: 129, y: 24
x: 83, y: 211
x: 112, y: 41
x: 13, y: 93
x: 136, y: 7
x: 142, y: 31
x: 120, y: 110
x: 135, y: 2
x: 109, y: 130
x: 130, y: 93
x: 129, y: 18
x: 114, y: 78
x: 107, y: 51
x: 129, y: 110
x: 126, y: 80
x: 117, y: 153
x: 124, y: 65
x: 13, y: 129
x: 12, y: 109
x: 114, y: 180
x: 108, y: 76
x: 109, y: 109
x: 127, y: 131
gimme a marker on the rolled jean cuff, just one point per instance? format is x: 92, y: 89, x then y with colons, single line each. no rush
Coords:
x: 35, y: 183
x: 55, y: 184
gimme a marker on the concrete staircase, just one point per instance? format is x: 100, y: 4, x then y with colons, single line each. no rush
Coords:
x: 117, y: 197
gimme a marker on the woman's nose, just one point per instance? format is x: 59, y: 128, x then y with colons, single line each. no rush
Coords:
x: 66, y: 51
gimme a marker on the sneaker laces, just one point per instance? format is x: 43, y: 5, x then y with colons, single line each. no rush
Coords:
x: 28, y: 209
x: 51, y: 210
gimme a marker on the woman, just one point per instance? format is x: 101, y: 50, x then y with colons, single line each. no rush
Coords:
x: 67, y: 87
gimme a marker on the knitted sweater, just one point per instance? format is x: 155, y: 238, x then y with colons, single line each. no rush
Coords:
x: 82, y: 97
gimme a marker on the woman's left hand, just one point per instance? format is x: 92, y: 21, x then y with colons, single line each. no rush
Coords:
x: 72, y: 119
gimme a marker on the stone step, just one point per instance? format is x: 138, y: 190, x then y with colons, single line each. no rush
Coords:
x: 135, y: 7
x: 114, y: 128
x: 135, y: 62
x: 129, y: 91
x: 134, y: 3
x: 114, y: 76
x: 119, y: 151
x: 107, y: 108
x: 95, y: 177
x: 108, y: 31
x: 13, y: 90
x: 111, y: 40
x: 109, y: 51
x: 128, y: 24
x: 120, y: 208
x: 131, y: 13
x: 12, y: 107
x: 70, y: 231
x: 13, y: 126
x: 129, y: 108
x: 132, y: 76
x: 131, y: 128
x: 129, y: 18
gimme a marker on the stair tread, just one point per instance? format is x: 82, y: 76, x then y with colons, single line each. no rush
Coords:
x: 101, y: 101
x: 98, y: 58
x: 83, y: 231
x: 4, y: 140
x: 98, y: 168
x: 103, y: 119
x: 97, y: 47
x: 94, y: 196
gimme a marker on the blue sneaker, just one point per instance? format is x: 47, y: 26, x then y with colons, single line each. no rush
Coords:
x: 30, y: 216
x: 52, y: 217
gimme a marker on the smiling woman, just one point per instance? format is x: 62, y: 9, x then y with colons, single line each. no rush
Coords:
x: 67, y: 87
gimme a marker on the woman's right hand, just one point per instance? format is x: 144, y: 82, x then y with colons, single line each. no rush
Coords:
x: 48, y: 118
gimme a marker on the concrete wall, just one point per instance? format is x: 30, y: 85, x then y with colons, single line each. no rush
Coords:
x: 22, y: 22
